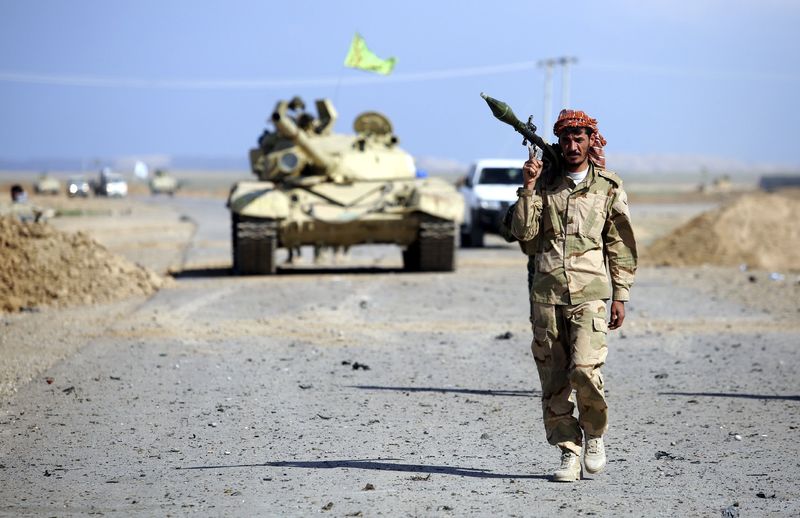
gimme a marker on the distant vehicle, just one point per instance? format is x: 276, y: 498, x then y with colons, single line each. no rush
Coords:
x: 162, y: 183
x: 47, y: 184
x: 488, y: 190
x: 78, y: 186
x: 773, y: 183
x: 111, y: 184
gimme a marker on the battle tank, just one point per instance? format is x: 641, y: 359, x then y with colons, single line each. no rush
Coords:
x: 321, y: 188
x: 47, y: 184
x: 163, y: 183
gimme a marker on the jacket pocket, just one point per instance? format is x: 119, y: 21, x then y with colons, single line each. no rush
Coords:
x: 599, y: 324
x: 591, y: 212
x: 551, y: 257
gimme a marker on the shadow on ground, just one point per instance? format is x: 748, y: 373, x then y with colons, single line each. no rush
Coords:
x: 474, y: 392
x: 491, y: 246
x: 379, y: 465
x: 733, y: 395
x: 199, y: 273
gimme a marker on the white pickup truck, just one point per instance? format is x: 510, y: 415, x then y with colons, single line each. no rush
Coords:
x: 489, y: 188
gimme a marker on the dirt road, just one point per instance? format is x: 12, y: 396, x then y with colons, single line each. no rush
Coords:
x: 367, y: 391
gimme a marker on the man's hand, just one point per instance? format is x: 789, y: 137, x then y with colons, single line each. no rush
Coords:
x: 617, y: 314
x: 531, y: 171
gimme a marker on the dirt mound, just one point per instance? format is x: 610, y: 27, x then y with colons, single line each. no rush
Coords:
x: 40, y: 266
x: 759, y: 230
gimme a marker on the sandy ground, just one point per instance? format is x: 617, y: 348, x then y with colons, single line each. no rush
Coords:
x: 142, y: 229
x: 364, y: 391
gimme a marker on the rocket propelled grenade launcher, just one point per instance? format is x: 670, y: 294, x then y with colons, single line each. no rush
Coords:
x: 504, y: 113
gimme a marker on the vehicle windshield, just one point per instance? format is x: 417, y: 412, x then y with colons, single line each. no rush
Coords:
x: 501, y: 175
x: 114, y: 178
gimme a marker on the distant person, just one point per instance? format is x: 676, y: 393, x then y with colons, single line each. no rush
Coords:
x: 18, y: 194
x: 573, y: 221
x: 21, y: 207
x: 293, y: 251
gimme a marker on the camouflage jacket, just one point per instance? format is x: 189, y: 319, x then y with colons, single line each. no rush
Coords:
x: 23, y: 211
x: 573, y: 231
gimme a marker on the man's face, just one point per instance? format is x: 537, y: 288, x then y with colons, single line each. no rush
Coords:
x: 575, y: 147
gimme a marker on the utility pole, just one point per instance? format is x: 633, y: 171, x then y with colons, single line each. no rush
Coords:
x: 548, y: 64
x: 565, y: 62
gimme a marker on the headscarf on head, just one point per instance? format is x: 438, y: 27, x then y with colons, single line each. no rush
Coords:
x: 579, y: 119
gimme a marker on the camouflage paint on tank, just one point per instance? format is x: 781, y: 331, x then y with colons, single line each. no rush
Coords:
x: 328, y: 188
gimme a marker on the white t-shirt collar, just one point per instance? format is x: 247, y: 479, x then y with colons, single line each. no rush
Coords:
x: 578, y: 176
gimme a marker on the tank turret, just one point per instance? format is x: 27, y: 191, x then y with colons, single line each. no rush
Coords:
x: 303, y: 147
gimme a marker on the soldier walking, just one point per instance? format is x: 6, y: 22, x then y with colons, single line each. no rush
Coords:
x: 575, y: 220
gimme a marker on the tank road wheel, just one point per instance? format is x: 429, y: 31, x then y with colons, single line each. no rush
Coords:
x: 253, y: 242
x: 434, y: 249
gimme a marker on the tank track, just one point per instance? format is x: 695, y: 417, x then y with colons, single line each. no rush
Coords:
x: 434, y: 249
x: 254, y: 241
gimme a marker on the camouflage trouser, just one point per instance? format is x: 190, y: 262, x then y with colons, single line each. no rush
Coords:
x: 569, y: 346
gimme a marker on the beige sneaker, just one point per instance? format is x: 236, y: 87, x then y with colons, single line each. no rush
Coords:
x: 570, y: 469
x: 594, y: 458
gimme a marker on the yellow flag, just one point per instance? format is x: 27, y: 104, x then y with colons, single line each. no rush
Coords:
x: 359, y: 56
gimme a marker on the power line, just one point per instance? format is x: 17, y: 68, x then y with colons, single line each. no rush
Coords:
x: 621, y: 69
x: 260, y: 83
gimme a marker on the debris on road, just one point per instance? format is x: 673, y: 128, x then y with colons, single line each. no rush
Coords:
x: 732, y: 511
x: 356, y: 365
x: 663, y: 455
x: 505, y: 336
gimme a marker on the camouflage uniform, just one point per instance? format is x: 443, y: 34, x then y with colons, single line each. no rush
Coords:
x: 573, y: 230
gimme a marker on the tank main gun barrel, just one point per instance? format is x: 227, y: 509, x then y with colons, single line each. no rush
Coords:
x: 287, y: 127
x: 504, y: 113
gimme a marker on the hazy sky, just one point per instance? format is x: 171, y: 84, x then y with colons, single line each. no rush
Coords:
x: 87, y: 78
